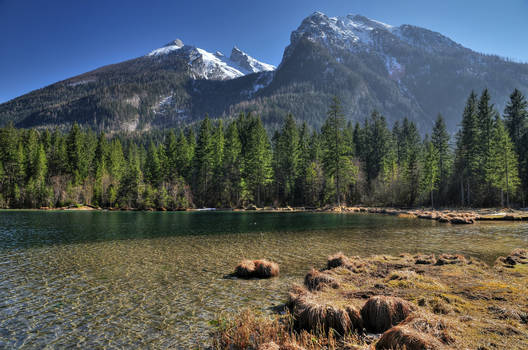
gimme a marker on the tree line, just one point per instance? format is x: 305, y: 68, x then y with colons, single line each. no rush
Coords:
x: 236, y: 163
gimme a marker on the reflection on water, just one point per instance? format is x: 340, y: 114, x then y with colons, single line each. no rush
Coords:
x: 133, y: 279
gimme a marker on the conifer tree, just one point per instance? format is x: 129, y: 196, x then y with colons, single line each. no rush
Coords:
x: 257, y: 167
x: 184, y: 155
x: 232, y: 180
x: 171, y: 155
x: 440, y: 141
x: 504, y: 160
x: 338, y: 165
x: 153, y: 171
x: 516, y: 119
x: 431, y: 169
x: 74, y: 150
x: 204, y: 161
x: 375, y: 145
x: 287, y: 154
x: 516, y: 116
x: 410, y: 162
x: 468, y: 151
x: 486, y: 116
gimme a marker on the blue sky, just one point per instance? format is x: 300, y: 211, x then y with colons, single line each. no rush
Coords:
x: 42, y: 42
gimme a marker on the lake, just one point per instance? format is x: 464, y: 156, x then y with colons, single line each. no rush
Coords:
x: 156, y: 279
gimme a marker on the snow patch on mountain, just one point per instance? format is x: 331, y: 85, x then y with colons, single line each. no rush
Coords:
x: 248, y: 64
x: 206, y: 65
x: 395, y: 69
x: 170, y: 47
x: 348, y: 32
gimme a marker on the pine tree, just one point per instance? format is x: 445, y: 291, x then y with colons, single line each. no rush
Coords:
x: 218, y: 148
x: 516, y: 115
x: 440, y: 140
x: 504, y: 160
x: 304, y: 162
x: 485, y: 135
x: 375, y: 145
x: 116, y: 160
x: 257, y: 167
x: 153, y: 171
x: 171, y: 154
x: 74, y: 150
x: 410, y: 162
x: 184, y: 155
x: 232, y: 167
x: 130, y: 185
x: 338, y: 164
x: 287, y: 154
x: 516, y: 119
x: 431, y: 169
x: 204, y: 162
x: 468, y: 151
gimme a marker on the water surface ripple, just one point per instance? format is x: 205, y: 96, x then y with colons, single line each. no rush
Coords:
x: 154, y: 280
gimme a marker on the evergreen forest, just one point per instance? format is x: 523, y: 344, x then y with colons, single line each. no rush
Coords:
x: 236, y: 162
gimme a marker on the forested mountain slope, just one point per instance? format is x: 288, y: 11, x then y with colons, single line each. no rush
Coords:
x: 403, y: 71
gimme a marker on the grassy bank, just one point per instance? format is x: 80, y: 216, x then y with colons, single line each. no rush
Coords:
x: 395, y: 302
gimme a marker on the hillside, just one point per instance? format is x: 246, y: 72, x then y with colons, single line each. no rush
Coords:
x: 403, y: 71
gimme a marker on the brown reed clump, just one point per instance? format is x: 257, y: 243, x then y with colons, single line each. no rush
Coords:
x: 382, y: 312
x: 266, y: 269
x: 402, y: 337
x: 449, y: 259
x: 338, y: 259
x: 245, y: 269
x: 517, y: 256
x: 257, y: 269
x: 315, y: 280
x: 312, y: 316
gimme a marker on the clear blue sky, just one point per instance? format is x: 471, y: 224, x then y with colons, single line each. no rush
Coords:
x: 42, y: 42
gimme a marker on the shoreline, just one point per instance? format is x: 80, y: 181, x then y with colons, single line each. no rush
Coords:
x: 446, y: 215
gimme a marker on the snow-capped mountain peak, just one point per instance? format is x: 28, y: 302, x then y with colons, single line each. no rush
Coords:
x: 206, y: 65
x: 347, y: 32
x: 168, y: 48
x: 248, y: 64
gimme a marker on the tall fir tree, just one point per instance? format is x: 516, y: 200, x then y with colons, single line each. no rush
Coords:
x: 336, y: 157
x: 440, y: 140
x: 505, y: 163
x: 204, y: 162
x: 485, y: 118
x: 257, y: 167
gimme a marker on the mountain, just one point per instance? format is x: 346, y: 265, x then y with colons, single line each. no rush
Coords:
x: 401, y: 71
x: 205, y: 65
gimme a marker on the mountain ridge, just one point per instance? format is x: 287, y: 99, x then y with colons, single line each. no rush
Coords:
x: 401, y: 71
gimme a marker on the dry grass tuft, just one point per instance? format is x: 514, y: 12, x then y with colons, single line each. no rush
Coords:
x: 336, y: 260
x: 419, y: 301
x: 422, y: 259
x: 402, y: 337
x: 256, y: 268
x: 315, y: 280
x: 269, y: 346
x: 266, y: 269
x: 313, y: 316
x: 517, y: 256
x: 382, y: 312
x: 432, y: 325
x: 449, y: 259
x: 247, y: 331
x: 245, y: 269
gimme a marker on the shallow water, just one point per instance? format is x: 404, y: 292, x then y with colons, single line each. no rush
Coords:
x: 156, y: 279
